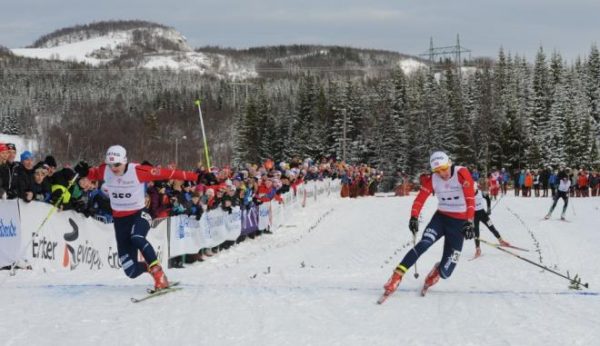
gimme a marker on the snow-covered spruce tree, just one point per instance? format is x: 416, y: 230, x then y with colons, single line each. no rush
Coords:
x: 503, y: 102
x: 250, y: 131
x: 540, y: 110
x: 592, y: 79
x: 399, y: 124
x: 354, y: 114
x: 560, y: 110
x: 418, y: 124
x: 462, y: 143
x: 265, y: 126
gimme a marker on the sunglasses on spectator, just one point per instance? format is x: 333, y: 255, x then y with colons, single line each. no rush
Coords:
x: 116, y: 165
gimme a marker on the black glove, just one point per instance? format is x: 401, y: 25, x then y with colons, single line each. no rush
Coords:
x: 82, y: 168
x: 413, y: 225
x: 489, y: 211
x: 468, y: 230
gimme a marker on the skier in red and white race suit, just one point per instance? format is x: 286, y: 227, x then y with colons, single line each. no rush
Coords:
x: 453, y: 187
x: 124, y: 184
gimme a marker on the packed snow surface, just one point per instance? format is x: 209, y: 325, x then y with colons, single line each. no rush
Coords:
x: 315, y: 281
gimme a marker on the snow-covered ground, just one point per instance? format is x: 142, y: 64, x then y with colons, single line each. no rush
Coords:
x: 79, y: 51
x: 315, y: 282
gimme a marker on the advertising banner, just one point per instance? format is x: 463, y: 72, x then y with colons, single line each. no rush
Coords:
x: 70, y: 241
x: 189, y: 235
x: 12, y: 248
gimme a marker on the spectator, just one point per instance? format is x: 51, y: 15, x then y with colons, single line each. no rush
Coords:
x: 24, y: 177
x: 595, y: 183
x: 527, y: 183
x: 8, y: 172
x: 544, y: 180
x: 40, y: 187
x: 553, y: 182
x: 61, y: 189
x: 536, y: 183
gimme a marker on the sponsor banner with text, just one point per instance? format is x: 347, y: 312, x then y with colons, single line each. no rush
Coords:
x: 12, y: 248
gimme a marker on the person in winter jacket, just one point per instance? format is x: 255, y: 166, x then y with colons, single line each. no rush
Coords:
x: 453, y: 187
x: 553, y: 182
x: 563, y: 192
x: 24, y: 177
x: 527, y: 184
x: 8, y: 171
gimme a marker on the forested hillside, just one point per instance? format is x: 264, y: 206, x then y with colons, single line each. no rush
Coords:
x: 506, y: 112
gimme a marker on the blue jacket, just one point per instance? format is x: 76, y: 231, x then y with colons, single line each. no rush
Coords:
x: 521, y: 179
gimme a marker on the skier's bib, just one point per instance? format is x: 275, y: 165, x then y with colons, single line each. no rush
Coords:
x: 126, y: 192
x: 479, y: 201
x: 449, y: 193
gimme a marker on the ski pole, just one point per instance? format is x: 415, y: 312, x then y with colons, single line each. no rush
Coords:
x: 414, y: 245
x: 498, y: 201
x: 50, y: 213
x: 574, y: 281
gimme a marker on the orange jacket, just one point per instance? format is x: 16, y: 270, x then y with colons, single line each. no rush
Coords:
x: 528, y: 180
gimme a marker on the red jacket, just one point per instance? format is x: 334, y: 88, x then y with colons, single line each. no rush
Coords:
x: 144, y: 174
x: 464, y: 177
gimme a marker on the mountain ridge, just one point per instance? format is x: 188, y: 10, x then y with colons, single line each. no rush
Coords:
x: 142, y: 44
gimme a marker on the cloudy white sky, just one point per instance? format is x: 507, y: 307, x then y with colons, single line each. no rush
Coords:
x: 520, y: 26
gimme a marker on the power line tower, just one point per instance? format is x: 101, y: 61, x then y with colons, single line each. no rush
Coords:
x: 452, y: 52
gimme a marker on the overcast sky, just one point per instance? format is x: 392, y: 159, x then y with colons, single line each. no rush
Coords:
x: 520, y: 26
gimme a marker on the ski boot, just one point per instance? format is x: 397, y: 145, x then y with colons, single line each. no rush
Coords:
x: 547, y: 216
x: 390, y: 286
x: 432, y: 278
x: 393, y: 282
x: 503, y: 242
x: 160, y: 279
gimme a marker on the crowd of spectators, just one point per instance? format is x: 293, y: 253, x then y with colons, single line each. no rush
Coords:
x: 542, y: 182
x: 222, y: 188
x: 359, y: 181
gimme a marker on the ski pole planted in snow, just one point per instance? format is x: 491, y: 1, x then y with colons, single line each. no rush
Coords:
x: 575, y: 281
x: 415, y: 244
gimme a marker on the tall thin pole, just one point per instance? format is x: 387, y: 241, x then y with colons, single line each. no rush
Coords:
x: 344, y: 147
x: 203, y: 134
x: 176, y: 153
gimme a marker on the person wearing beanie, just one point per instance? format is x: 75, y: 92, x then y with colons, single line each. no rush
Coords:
x: 50, y: 161
x: 8, y: 173
x: 24, y: 177
x: 12, y: 151
x: 3, y: 153
x: 26, y: 155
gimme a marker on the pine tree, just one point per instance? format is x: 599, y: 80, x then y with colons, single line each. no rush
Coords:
x: 540, y: 107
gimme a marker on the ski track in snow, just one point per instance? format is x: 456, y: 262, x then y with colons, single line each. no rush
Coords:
x: 316, y: 281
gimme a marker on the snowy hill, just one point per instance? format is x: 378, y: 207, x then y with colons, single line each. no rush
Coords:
x: 146, y: 45
x: 316, y: 281
x: 138, y: 44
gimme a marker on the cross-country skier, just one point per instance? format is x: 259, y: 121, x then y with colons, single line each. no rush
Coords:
x: 453, y: 187
x: 124, y: 184
x: 564, y: 185
x: 482, y: 199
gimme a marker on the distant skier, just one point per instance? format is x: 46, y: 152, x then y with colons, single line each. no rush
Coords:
x: 453, y: 187
x: 124, y: 184
x: 564, y: 185
x: 482, y: 199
